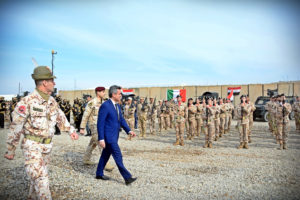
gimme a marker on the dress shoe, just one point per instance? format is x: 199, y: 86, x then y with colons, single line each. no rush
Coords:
x: 105, y: 178
x: 130, y: 180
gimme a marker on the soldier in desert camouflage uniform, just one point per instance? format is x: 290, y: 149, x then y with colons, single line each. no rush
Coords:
x: 223, y: 115
x: 253, y: 108
x: 296, y: 109
x: 208, y: 117
x: 160, y: 116
x: 90, y: 116
x: 130, y: 110
x: 192, y: 110
x: 216, y: 107
x: 242, y: 113
x: 152, y: 113
x: 35, y: 116
x: 283, y: 109
x: 198, y: 117
x: 142, y: 117
x: 180, y: 118
x: 230, y: 109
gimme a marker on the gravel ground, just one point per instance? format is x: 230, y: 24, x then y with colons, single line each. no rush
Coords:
x: 165, y: 171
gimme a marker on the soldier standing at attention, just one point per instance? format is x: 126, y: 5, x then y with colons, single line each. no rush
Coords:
x: 35, y: 116
x: 230, y: 109
x: 270, y: 116
x: 296, y: 109
x: 160, y: 116
x: 142, y: 116
x: 130, y: 118
x: 223, y: 115
x: 253, y: 108
x: 152, y: 113
x: 283, y: 109
x: 192, y: 110
x: 216, y: 107
x: 2, y: 111
x: 209, y: 123
x: 180, y: 118
x: 243, y: 112
x: 198, y: 117
x: 167, y: 115
x: 171, y: 114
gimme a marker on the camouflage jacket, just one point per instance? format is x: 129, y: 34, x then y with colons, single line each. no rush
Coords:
x: 243, y: 113
x: 253, y: 108
x: 150, y: 106
x: 223, y: 110
x: 90, y: 114
x: 208, y: 115
x: 192, y: 110
x: 181, y: 112
x: 35, y: 116
x: 282, y: 113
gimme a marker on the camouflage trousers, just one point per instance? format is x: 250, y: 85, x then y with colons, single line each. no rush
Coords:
x: 160, y: 123
x: 209, y: 131
x: 217, y: 126
x: 130, y: 122
x: 228, y: 121
x: 250, y: 126
x: 167, y: 121
x: 142, y: 125
x: 37, y: 157
x: 92, y: 144
x: 179, y: 128
x: 198, y: 126
x: 283, y: 131
x: 187, y: 126
x: 297, y: 121
x: 270, y: 122
x: 222, y: 124
x: 192, y: 128
x: 152, y: 124
x: 243, y: 130
x: 171, y: 120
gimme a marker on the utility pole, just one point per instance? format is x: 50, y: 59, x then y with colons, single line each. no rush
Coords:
x: 53, y: 53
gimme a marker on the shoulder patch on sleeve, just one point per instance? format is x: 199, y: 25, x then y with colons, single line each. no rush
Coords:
x: 22, y: 109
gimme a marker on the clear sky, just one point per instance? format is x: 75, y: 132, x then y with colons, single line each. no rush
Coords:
x: 149, y: 43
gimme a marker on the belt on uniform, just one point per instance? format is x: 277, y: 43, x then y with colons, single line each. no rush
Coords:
x: 38, y: 139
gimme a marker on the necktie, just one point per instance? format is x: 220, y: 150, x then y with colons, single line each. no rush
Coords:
x: 117, y: 111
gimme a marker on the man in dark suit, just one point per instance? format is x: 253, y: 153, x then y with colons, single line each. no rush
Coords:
x: 110, y: 119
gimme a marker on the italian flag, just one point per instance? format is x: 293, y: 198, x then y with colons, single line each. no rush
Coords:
x: 172, y: 94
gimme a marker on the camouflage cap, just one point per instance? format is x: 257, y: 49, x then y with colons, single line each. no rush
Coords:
x: 42, y: 73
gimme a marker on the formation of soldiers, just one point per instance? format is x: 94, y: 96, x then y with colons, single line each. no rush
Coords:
x: 209, y: 116
x: 278, y: 118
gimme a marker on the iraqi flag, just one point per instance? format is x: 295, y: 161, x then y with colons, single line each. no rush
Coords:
x: 172, y: 94
x: 127, y: 92
x: 233, y: 91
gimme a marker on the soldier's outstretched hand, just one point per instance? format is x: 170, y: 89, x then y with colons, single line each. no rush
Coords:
x: 9, y: 157
x: 74, y: 136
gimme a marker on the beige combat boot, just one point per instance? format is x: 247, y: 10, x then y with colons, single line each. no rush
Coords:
x: 206, y: 144
x: 249, y: 139
x: 285, y: 146
x: 88, y: 162
x: 216, y: 138
x: 241, y: 145
x: 108, y: 167
x: 181, y: 143
x: 281, y: 145
x: 210, y: 145
x: 176, y: 143
x: 220, y: 135
x: 246, y: 145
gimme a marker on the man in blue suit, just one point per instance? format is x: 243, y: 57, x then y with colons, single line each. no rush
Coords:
x: 110, y: 119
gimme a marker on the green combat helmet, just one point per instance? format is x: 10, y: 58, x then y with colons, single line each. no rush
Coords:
x: 42, y: 73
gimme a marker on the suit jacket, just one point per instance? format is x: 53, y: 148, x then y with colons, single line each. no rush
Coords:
x: 108, y: 124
